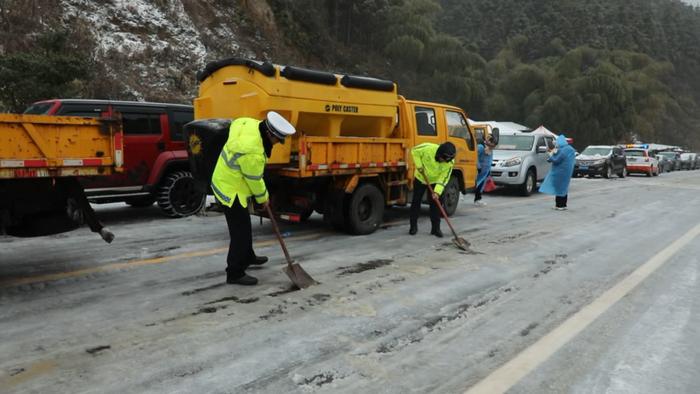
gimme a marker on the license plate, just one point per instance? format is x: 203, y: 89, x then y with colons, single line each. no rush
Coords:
x: 583, y: 168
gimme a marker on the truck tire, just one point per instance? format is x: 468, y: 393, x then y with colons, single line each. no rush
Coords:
x: 365, y: 210
x: 178, y: 196
x: 140, y: 202
x: 336, y: 209
x: 528, y: 186
x: 451, y: 196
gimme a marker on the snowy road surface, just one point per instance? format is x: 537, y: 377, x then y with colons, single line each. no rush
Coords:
x: 393, y: 313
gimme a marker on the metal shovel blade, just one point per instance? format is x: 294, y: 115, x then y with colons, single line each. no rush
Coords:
x: 298, y: 276
x: 461, y: 243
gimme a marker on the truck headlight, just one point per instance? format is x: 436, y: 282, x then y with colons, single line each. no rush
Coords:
x: 512, y: 162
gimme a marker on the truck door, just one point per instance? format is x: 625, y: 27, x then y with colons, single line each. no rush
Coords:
x: 460, y: 135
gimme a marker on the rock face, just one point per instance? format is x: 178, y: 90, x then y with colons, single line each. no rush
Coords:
x: 147, y: 49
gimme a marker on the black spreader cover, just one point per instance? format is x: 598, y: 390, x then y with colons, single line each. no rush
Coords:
x: 205, y: 140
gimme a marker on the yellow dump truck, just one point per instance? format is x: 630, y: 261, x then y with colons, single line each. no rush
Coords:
x: 40, y: 156
x: 350, y: 157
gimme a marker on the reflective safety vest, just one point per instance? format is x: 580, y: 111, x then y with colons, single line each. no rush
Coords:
x: 438, y: 173
x: 239, y: 169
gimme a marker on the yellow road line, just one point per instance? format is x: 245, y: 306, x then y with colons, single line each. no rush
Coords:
x: 136, y: 263
x: 508, y: 375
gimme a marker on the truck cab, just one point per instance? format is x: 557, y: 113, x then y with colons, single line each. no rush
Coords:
x: 437, y: 123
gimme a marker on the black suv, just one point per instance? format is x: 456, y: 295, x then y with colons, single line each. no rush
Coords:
x: 601, y: 160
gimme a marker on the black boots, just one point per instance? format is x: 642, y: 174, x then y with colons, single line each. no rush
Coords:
x: 245, y: 280
x: 435, y: 231
x: 259, y: 260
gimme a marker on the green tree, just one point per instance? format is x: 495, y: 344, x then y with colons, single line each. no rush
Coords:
x: 53, y: 68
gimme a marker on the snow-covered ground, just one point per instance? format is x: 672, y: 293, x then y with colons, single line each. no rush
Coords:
x: 393, y: 313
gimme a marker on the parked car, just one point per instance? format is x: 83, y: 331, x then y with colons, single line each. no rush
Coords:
x: 639, y: 161
x: 665, y: 164
x: 604, y: 160
x: 674, y: 157
x: 687, y: 161
x: 520, y: 159
x: 155, y: 160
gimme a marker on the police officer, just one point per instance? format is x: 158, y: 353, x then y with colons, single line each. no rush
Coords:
x: 437, y: 162
x: 238, y: 178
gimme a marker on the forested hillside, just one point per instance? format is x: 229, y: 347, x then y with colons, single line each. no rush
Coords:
x: 601, y: 71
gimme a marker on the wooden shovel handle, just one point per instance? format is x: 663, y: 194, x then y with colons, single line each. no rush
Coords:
x: 277, y: 232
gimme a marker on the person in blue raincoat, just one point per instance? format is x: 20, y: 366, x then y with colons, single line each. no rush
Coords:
x: 563, y: 158
x: 483, y: 165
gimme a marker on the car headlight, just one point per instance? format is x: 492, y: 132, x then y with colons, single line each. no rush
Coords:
x: 512, y: 162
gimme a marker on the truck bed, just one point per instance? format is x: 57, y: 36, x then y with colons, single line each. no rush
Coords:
x: 52, y: 146
x: 317, y: 156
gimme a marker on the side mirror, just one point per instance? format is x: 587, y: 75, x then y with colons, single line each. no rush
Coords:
x: 541, y: 149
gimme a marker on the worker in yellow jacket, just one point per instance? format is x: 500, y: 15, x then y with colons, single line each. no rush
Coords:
x: 238, y: 178
x: 437, y: 162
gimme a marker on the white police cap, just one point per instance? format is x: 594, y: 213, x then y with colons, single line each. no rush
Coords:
x: 279, y: 126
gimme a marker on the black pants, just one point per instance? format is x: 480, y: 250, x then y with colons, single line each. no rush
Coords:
x: 418, y: 190
x: 561, y: 201
x: 240, y: 249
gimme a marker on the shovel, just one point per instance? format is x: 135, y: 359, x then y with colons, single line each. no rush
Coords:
x: 458, y: 241
x: 296, y: 274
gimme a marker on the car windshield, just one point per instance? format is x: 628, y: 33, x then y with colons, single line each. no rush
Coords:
x: 685, y: 156
x: 38, y: 109
x: 515, y: 142
x: 591, y: 151
x: 669, y: 155
x: 637, y: 153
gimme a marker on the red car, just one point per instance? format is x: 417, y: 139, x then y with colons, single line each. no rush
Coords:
x: 155, y: 161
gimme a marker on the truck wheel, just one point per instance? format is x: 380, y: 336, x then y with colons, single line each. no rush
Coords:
x: 335, y: 210
x: 140, y: 202
x: 365, y: 210
x: 530, y: 182
x: 178, y: 196
x: 451, y: 196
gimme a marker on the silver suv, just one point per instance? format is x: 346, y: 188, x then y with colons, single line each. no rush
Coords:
x: 520, y: 159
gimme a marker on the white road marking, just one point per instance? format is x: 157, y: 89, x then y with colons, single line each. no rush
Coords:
x: 509, y: 374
